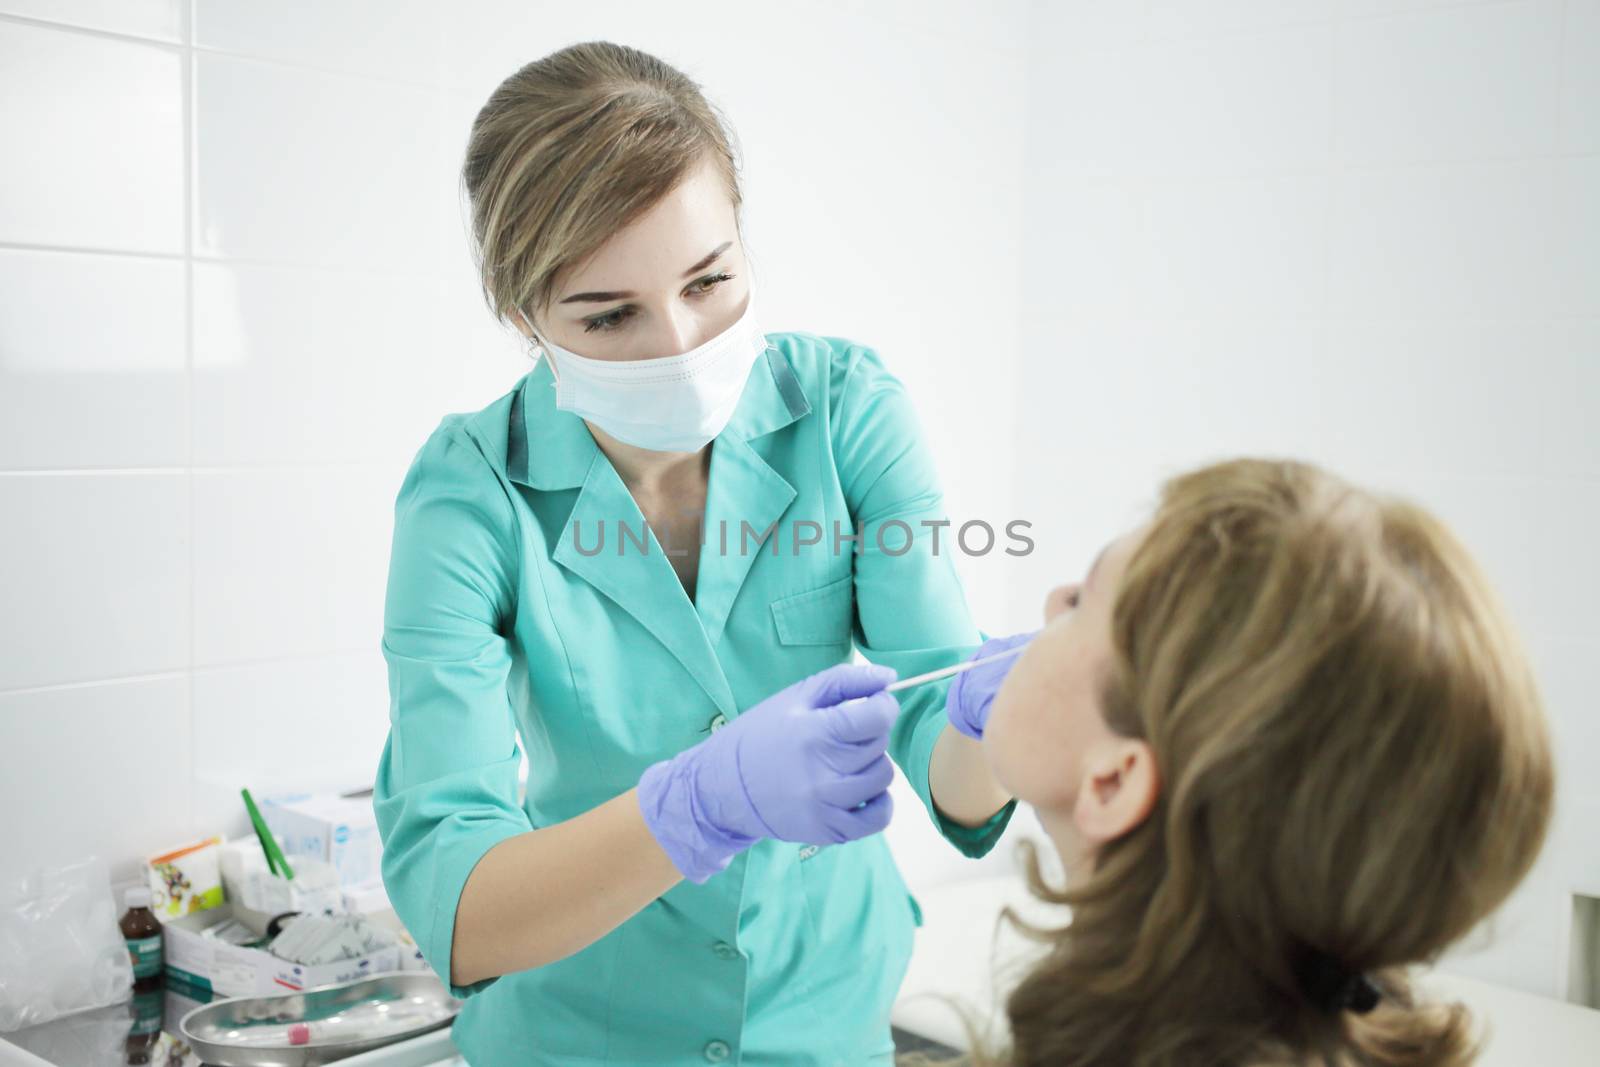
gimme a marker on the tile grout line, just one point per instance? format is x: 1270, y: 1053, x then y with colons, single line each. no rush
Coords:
x: 189, y: 675
x: 7, y: 17
x: 189, y: 154
x: 275, y: 467
x: 186, y: 46
x: 90, y: 683
x: 372, y: 270
x: 85, y: 250
x: 328, y: 72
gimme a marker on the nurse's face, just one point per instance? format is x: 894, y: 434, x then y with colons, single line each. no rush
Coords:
x: 671, y: 280
x: 1047, y: 741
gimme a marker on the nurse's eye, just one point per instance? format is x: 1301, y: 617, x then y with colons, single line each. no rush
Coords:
x: 611, y: 320
x: 707, y: 285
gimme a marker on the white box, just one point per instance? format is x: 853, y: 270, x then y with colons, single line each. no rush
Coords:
x: 246, y: 881
x: 286, y: 975
x: 342, y: 831
x: 365, y: 899
x: 208, y: 964
x: 234, y: 971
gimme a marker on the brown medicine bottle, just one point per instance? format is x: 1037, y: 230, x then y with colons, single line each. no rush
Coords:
x: 141, y: 930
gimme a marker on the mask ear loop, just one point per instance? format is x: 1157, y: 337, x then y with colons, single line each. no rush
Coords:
x: 536, y: 345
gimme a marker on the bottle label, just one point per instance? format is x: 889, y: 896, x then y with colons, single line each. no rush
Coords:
x: 147, y: 1012
x: 145, y: 955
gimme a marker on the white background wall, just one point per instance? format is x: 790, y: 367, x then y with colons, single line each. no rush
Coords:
x: 1363, y: 232
x: 1100, y: 242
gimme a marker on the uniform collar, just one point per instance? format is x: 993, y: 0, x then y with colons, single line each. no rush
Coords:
x: 548, y: 448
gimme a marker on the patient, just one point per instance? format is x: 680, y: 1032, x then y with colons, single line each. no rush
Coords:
x: 1287, y: 744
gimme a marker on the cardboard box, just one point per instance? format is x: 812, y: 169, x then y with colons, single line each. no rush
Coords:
x: 223, y: 970
x: 341, y: 831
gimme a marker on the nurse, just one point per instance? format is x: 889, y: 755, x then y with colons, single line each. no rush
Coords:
x: 646, y: 567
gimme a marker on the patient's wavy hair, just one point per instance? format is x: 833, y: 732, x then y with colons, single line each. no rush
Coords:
x: 1355, y: 771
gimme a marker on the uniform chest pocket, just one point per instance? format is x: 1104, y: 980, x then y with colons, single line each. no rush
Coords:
x: 822, y: 616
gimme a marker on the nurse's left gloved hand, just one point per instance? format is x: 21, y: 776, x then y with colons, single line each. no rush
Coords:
x: 807, y: 764
x: 972, y: 693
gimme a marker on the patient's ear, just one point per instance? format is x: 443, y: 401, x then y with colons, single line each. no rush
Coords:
x: 1119, y: 790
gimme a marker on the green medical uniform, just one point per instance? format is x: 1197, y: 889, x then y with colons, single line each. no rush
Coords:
x: 530, y: 610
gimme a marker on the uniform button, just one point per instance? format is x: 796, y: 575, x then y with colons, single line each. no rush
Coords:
x: 725, y: 951
x: 717, y: 1051
x: 718, y: 722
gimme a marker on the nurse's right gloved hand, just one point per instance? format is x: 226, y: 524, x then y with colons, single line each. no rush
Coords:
x: 802, y: 765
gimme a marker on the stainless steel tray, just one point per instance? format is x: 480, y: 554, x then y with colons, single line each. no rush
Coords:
x: 319, y: 1025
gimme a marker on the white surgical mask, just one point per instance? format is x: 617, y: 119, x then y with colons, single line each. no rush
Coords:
x: 671, y: 404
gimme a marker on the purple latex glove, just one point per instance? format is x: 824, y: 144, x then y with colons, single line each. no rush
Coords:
x: 971, y: 695
x: 802, y: 765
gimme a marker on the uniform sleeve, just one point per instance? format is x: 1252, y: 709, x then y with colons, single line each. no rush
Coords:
x: 911, y: 613
x: 446, y: 786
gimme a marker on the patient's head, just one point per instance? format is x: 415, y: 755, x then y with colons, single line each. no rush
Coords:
x: 1049, y: 739
x: 1282, y: 726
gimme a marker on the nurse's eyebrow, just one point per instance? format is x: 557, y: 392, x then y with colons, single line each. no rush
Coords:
x: 710, y: 258
x: 601, y: 298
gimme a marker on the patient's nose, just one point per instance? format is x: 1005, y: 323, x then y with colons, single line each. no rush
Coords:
x: 1061, y: 599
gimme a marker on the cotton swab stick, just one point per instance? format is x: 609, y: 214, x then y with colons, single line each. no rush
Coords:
x: 945, y: 672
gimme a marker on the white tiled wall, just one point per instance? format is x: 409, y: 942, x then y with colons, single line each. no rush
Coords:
x: 1364, y: 232
x: 235, y: 297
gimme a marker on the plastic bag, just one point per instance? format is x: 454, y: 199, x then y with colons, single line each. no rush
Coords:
x: 61, y: 950
x: 80, y: 1039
